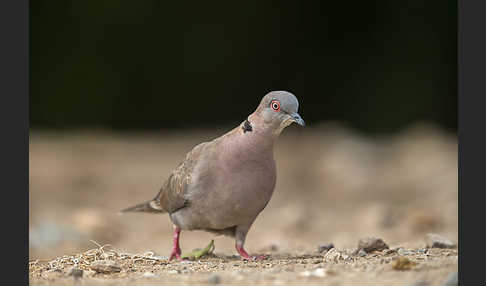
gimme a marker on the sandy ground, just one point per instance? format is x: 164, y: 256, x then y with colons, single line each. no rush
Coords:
x: 333, y: 186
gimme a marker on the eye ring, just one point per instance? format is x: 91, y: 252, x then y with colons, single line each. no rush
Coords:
x: 275, y: 105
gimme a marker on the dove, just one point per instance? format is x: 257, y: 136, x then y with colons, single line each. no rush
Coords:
x: 222, y: 185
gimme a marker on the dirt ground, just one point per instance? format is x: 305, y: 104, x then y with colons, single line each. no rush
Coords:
x: 333, y: 186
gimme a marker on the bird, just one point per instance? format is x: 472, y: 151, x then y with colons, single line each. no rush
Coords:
x: 222, y: 185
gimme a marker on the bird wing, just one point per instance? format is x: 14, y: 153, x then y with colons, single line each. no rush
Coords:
x: 173, y: 193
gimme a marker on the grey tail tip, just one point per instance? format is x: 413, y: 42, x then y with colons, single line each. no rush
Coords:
x: 147, y: 207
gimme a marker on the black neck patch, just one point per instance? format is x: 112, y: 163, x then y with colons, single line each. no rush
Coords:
x: 247, y: 126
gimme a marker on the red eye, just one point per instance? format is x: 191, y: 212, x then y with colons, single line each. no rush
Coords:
x: 275, y: 105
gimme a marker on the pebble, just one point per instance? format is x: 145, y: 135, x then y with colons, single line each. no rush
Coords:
x: 434, y: 240
x: 403, y: 263
x: 324, y: 247
x: 452, y: 280
x: 214, y: 279
x: 389, y: 251
x: 362, y: 253
x: 369, y: 244
x: 105, y: 266
x: 332, y: 256
x: 76, y: 272
x: 402, y: 251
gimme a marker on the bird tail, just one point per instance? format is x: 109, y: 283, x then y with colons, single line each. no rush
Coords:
x: 152, y: 206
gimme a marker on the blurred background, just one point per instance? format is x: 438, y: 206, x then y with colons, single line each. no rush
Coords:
x: 120, y: 91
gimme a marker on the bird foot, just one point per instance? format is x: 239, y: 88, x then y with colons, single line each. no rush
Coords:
x: 175, y: 253
x: 244, y: 255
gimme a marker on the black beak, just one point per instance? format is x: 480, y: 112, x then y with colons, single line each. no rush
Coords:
x: 297, y: 119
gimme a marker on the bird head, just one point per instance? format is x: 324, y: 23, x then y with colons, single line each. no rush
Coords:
x: 279, y: 109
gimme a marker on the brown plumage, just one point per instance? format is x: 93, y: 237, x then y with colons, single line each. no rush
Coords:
x: 221, y: 186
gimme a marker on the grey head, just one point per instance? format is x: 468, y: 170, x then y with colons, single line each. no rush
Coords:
x: 279, y: 109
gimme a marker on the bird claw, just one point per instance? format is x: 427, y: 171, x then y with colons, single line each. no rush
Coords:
x: 260, y: 257
x: 177, y: 254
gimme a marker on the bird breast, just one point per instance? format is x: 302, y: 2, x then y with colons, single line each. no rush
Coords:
x: 234, y: 183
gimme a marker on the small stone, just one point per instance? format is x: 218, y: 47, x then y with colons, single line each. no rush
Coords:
x: 402, y: 251
x: 369, y: 244
x: 438, y: 241
x: 148, y: 275
x: 174, y: 272
x: 76, y: 272
x: 105, y: 266
x: 362, y: 253
x: 332, y: 255
x: 403, y: 263
x: 324, y: 247
x: 353, y: 251
x: 452, y: 280
x: 423, y: 250
x: 388, y: 251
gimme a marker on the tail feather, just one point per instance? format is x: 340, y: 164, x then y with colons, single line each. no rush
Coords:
x: 151, y: 206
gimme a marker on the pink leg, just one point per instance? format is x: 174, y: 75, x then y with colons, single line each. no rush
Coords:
x: 176, y: 250
x: 245, y: 256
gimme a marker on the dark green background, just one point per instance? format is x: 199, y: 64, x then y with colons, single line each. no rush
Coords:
x: 378, y: 65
